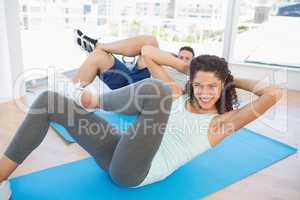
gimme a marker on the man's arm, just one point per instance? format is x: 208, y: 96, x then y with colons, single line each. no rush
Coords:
x: 165, y: 58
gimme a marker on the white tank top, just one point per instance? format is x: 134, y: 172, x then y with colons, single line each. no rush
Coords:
x: 185, y: 137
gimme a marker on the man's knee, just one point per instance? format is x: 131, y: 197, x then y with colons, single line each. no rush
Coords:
x: 149, y: 40
x: 98, y: 53
x: 101, y: 58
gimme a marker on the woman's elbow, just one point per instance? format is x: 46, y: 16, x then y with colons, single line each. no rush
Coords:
x: 276, y: 93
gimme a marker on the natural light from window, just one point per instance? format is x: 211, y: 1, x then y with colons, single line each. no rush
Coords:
x: 268, y: 33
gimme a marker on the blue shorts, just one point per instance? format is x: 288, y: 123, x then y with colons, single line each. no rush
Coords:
x: 119, y: 75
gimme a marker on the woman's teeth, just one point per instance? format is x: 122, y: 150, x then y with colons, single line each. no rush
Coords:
x: 205, y: 100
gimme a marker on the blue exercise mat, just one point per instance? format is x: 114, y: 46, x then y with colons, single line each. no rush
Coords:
x: 119, y: 121
x: 236, y: 157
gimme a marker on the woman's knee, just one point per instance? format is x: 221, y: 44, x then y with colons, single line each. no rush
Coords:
x: 156, y: 87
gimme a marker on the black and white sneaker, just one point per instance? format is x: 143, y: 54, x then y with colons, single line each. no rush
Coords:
x: 85, y: 42
x: 5, y: 191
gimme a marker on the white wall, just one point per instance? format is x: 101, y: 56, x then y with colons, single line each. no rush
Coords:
x: 284, y: 77
x: 11, y: 63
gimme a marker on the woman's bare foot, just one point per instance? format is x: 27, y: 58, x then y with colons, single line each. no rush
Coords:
x: 7, y: 167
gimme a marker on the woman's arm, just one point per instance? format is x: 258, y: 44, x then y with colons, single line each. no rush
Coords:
x: 227, y: 123
x: 257, y: 87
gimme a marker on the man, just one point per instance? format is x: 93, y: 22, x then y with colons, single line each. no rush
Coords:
x: 116, y: 73
x: 186, y: 54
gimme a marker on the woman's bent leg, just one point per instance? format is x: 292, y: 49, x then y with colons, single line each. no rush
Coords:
x: 126, y: 157
x: 151, y: 100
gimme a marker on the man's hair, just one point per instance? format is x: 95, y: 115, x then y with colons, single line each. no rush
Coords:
x: 187, y: 48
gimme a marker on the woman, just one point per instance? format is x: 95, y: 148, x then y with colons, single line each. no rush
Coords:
x: 168, y: 131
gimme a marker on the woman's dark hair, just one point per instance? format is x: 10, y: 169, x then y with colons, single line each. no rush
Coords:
x: 209, y: 63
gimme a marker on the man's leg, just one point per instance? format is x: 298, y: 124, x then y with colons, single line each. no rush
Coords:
x: 128, y: 47
x: 102, y: 60
x: 88, y: 44
x: 140, y: 64
x: 140, y: 71
x: 96, y: 61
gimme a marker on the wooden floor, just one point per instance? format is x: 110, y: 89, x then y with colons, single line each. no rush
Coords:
x: 279, y: 181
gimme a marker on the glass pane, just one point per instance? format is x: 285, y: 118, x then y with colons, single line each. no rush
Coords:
x: 268, y: 33
x: 47, y: 26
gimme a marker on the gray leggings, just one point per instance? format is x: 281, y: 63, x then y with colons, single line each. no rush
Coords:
x: 125, y: 157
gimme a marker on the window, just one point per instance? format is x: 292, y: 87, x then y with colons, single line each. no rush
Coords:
x: 289, y: 10
x: 47, y: 31
x: 47, y: 34
x: 87, y: 9
x: 24, y: 8
x: 268, y: 33
x: 25, y: 23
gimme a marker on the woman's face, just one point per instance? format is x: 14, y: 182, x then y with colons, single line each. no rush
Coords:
x: 207, y: 89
